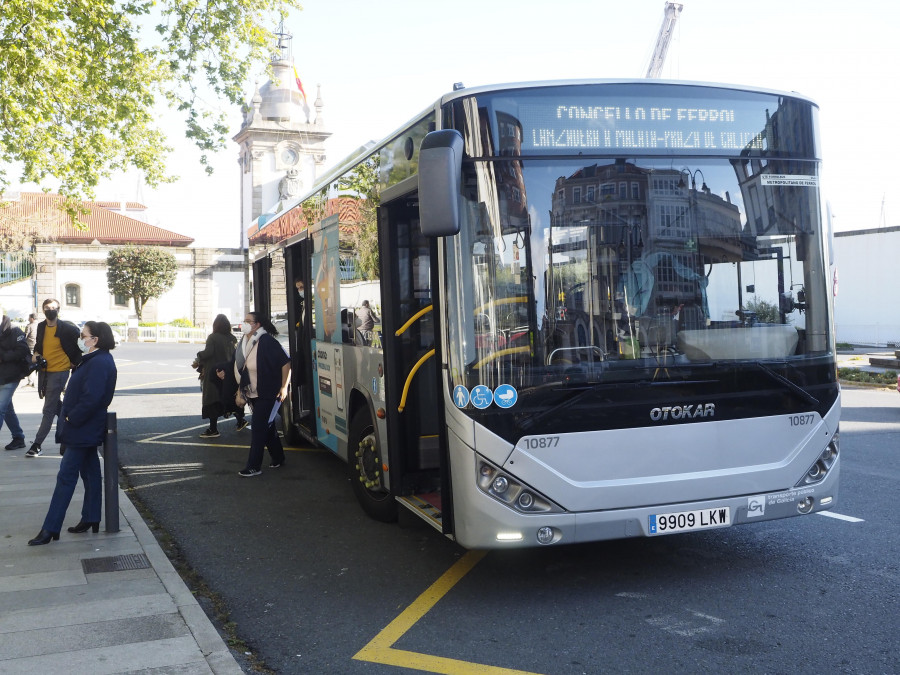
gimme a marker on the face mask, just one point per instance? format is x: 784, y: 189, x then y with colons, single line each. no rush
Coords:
x: 300, y: 292
x: 51, y: 314
x: 246, y: 328
x: 83, y: 347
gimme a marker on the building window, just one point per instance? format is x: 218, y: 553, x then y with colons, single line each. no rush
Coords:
x: 73, y: 295
x: 623, y: 190
x: 576, y: 195
x: 590, y: 193
x: 635, y: 190
x: 120, y: 300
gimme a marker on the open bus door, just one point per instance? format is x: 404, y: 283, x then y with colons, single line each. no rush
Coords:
x: 415, y: 418
x: 301, y: 329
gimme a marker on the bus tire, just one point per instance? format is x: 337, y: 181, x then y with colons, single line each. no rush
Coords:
x: 364, y: 463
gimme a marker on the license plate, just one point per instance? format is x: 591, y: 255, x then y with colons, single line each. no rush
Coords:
x: 684, y: 521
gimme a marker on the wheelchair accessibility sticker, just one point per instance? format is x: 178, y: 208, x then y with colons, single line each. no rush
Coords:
x: 482, y: 397
x: 505, y: 396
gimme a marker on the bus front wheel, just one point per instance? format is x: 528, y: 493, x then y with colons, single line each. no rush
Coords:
x: 364, y: 462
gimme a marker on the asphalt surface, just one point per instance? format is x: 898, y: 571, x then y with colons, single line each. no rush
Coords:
x: 310, y: 582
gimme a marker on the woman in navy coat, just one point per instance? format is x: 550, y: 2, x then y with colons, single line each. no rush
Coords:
x: 80, y: 429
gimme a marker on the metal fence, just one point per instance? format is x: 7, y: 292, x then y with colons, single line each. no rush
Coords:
x: 166, y: 334
x: 15, y: 267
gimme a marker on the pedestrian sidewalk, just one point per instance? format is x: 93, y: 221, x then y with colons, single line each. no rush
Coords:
x: 89, y: 603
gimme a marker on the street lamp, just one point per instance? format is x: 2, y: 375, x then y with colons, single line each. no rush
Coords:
x: 693, y: 176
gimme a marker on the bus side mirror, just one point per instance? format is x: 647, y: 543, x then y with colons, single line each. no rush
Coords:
x: 440, y: 169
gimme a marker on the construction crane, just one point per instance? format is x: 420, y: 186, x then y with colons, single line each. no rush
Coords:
x: 672, y: 10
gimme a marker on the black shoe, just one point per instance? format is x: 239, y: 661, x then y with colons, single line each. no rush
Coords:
x: 33, y: 451
x: 249, y: 473
x: 16, y: 444
x: 209, y: 433
x: 84, y: 527
x: 44, y: 537
x: 242, y: 424
x: 276, y: 465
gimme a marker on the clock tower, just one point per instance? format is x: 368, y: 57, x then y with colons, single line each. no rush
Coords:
x: 281, y: 145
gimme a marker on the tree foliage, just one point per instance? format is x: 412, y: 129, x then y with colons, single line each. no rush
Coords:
x: 80, y: 80
x: 363, y: 183
x: 140, y: 273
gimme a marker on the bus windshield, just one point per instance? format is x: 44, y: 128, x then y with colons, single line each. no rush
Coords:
x: 571, y: 277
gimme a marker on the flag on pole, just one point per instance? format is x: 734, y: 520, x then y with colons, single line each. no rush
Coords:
x: 302, y: 92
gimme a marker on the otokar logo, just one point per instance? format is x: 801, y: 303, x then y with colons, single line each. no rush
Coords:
x: 683, y: 412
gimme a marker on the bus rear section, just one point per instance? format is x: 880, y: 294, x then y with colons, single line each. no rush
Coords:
x: 638, y: 335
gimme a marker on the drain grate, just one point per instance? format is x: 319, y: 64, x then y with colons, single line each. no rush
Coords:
x: 119, y: 563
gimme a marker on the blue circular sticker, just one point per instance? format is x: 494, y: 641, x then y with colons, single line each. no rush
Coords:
x: 482, y: 397
x: 505, y: 396
x: 460, y: 396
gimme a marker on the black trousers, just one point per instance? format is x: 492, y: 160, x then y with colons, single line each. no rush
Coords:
x: 263, y: 435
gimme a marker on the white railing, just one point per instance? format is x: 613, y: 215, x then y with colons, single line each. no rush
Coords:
x: 167, y: 334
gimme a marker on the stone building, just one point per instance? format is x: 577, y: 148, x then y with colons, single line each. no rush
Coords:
x: 71, y: 265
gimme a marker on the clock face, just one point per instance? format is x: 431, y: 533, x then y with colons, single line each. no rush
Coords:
x: 289, y: 156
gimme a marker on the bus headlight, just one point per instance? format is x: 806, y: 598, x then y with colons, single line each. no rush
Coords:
x: 506, y: 489
x: 817, y: 472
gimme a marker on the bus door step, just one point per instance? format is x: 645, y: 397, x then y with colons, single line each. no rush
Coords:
x: 426, y: 506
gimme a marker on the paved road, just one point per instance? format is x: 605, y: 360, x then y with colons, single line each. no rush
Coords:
x: 311, y: 582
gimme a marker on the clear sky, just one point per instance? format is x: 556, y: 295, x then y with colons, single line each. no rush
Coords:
x: 379, y: 63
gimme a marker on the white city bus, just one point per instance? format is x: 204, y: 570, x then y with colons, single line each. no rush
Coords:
x: 599, y: 309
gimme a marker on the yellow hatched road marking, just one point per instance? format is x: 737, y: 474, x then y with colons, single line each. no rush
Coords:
x: 150, y: 384
x: 244, y: 446
x: 380, y: 648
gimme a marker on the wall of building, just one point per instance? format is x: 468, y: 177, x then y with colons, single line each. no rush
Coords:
x: 867, y: 306
x: 208, y: 282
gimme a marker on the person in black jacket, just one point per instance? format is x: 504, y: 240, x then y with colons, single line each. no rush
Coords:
x: 81, y: 428
x: 57, y: 342
x: 13, y: 366
x: 262, y: 369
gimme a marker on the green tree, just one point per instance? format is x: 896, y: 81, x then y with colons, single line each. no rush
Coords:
x: 80, y: 80
x: 140, y: 273
x: 363, y: 184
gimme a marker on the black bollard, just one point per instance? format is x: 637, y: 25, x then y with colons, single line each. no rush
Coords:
x: 111, y: 474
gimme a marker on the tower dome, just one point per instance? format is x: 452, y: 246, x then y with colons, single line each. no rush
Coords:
x: 281, y: 99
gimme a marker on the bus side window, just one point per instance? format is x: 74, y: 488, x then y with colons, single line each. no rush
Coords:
x: 347, y: 326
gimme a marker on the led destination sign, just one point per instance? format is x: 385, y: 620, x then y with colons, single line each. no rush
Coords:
x: 558, y: 121
x: 571, y: 127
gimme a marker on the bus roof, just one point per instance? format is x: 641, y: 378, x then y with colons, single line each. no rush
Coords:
x: 371, y: 148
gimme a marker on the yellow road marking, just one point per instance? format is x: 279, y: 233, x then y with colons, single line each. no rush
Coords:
x: 380, y: 649
x: 244, y: 446
x: 149, y: 384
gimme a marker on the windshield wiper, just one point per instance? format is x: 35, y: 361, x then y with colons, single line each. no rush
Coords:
x: 800, y: 391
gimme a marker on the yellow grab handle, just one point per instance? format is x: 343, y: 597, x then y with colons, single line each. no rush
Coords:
x: 412, y: 320
x: 410, y: 377
x: 502, y: 352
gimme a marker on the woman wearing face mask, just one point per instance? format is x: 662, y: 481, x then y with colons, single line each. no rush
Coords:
x: 262, y: 372
x: 80, y: 428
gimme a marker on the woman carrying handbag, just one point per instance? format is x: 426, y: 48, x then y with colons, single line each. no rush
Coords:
x: 262, y: 372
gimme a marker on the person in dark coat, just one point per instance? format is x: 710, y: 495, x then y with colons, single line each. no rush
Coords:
x: 80, y: 429
x: 219, y: 349
x: 57, y: 342
x: 262, y: 369
x: 13, y: 355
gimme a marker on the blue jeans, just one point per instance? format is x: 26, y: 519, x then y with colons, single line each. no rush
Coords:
x: 8, y: 411
x: 263, y: 435
x: 56, y: 383
x: 77, y: 461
